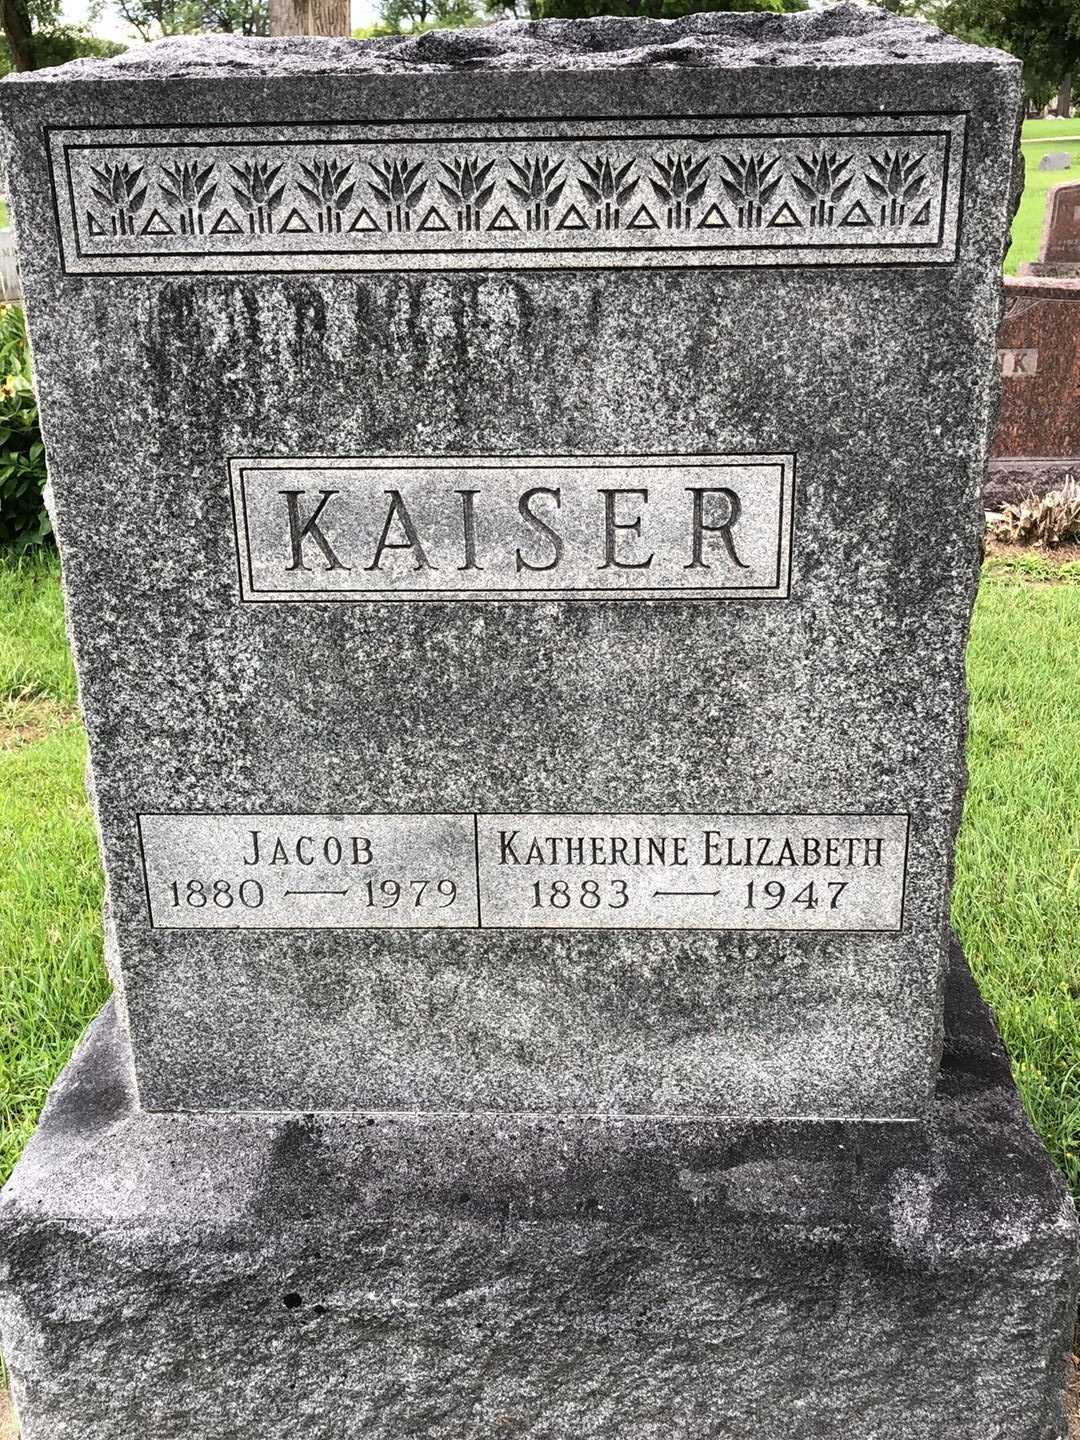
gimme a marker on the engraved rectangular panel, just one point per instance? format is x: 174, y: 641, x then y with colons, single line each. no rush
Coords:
x: 529, y: 871
x: 690, y: 872
x: 514, y: 528
x: 517, y: 194
x: 284, y: 872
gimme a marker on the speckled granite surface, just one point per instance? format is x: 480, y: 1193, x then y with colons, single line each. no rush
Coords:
x: 870, y: 369
x: 845, y: 35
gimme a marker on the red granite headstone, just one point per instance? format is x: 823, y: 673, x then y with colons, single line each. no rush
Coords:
x: 1037, y: 441
x: 1059, y: 246
x: 1061, y: 226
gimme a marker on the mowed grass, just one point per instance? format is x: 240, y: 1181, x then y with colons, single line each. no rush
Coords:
x: 1038, y: 138
x: 1016, y: 903
x: 52, y: 979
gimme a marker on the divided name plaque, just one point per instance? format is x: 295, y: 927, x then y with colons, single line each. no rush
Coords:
x: 525, y: 871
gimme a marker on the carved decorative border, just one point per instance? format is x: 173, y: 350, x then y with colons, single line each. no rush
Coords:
x: 849, y: 190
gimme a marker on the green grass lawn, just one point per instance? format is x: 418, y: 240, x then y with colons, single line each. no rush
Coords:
x: 52, y: 980
x: 1016, y: 904
x: 1039, y: 137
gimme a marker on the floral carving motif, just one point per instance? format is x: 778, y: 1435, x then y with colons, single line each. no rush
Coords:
x: 121, y: 189
x: 777, y: 192
x: 823, y: 183
x: 468, y: 189
x: 897, y: 179
x: 256, y: 192
x: 680, y: 186
x: 326, y: 183
x: 398, y: 186
x: 538, y: 187
x: 189, y: 186
x: 750, y: 184
x: 608, y: 189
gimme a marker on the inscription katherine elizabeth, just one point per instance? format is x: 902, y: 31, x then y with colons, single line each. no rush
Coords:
x: 609, y: 872
x: 613, y: 192
x: 544, y: 527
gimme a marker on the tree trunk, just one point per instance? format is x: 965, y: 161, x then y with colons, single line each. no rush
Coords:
x: 305, y: 17
x: 16, y: 23
x: 1064, y: 98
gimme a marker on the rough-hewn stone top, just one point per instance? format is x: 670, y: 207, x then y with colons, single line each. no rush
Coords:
x: 847, y: 35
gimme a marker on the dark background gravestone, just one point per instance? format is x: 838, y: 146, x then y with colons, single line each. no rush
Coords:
x: 1059, y: 244
x: 1036, y: 444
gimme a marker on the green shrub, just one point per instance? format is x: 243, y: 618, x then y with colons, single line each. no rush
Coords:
x: 24, y: 522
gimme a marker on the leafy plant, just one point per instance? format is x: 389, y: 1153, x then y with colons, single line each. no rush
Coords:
x: 749, y: 180
x: 823, y: 177
x: 24, y: 521
x: 681, y: 179
x: 469, y: 182
x: 898, y: 176
x: 188, y: 184
x: 121, y: 186
x: 395, y: 182
x: 1046, y: 520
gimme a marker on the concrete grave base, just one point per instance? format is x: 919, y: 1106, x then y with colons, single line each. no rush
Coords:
x: 218, y: 1277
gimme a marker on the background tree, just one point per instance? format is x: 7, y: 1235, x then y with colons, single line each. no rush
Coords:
x: 307, y: 17
x: 1044, y: 34
x: 34, y: 36
x: 151, y: 19
x: 513, y: 9
x: 412, y: 15
x: 236, y: 17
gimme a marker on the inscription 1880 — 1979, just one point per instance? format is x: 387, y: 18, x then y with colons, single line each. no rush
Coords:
x: 526, y: 871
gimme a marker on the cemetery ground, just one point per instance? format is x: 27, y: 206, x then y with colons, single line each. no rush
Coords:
x: 1039, y: 138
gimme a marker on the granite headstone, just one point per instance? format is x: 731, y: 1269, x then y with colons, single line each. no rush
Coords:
x: 523, y: 664
x: 1036, y: 445
x: 1061, y: 226
x: 1059, y: 244
x: 1056, y: 160
x: 10, y: 286
x: 463, y: 582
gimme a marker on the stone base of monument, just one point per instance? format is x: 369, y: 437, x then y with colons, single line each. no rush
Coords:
x: 1009, y: 481
x: 1050, y: 269
x: 216, y: 1277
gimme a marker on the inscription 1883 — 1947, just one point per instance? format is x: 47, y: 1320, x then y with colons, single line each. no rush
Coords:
x: 525, y: 871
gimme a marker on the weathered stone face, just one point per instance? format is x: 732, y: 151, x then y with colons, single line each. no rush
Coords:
x: 519, y: 567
